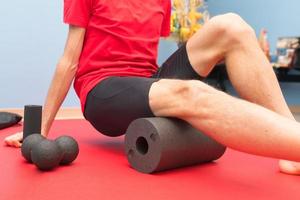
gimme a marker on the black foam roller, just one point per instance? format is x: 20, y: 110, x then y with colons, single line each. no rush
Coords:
x: 32, y: 120
x: 157, y: 144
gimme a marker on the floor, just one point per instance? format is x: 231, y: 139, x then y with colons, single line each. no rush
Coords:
x: 101, y: 171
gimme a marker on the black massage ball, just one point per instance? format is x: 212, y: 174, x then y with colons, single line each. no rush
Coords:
x: 69, y: 147
x: 28, y: 143
x: 46, y: 155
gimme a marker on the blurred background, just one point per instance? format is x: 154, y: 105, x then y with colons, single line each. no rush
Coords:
x: 32, y: 37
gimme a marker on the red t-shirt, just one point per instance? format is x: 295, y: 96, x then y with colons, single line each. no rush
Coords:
x: 121, y: 38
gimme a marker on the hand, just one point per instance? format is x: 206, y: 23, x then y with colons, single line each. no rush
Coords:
x: 289, y: 167
x: 14, y: 140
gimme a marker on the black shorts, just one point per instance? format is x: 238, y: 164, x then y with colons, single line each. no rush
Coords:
x: 116, y: 101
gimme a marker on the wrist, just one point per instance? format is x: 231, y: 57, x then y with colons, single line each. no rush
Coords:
x: 44, y: 133
x: 44, y: 130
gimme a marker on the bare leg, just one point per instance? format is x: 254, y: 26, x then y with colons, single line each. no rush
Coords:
x: 248, y: 69
x: 229, y: 38
x: 236, y: 123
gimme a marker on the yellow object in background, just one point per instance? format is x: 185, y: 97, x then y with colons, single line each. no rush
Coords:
x: 194, y: 18
x: 186, y: 19
x: 184, y: 33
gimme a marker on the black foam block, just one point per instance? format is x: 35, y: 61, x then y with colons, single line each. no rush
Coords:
x: 32, y: 120
x: 157, y: 144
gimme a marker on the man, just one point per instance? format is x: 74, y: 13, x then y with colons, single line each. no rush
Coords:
x: 111, y: 52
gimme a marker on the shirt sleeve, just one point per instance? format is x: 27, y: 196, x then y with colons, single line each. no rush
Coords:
x: 165, y: 28
x: 77, y: 12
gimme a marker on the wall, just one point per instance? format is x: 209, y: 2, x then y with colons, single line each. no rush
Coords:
x: 32, y: 39
x: 280, y: 18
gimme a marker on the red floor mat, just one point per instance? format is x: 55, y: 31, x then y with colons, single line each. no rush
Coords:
x: 101, y: 171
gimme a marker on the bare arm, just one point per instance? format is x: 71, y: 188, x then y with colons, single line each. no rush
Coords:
x: 61, y: 82
x: 63, y: 77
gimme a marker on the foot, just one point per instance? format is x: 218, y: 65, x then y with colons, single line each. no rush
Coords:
x: 289, y: 167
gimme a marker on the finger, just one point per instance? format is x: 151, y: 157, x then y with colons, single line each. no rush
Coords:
x: 12, y: 136
x: 19, y: 144
x: 14, y: 140
x: 8, y: 142
x: 16, y: 136
x: 16, y: 143
x: 7, y: 139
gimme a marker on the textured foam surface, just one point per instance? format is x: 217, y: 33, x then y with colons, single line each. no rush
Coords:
x: 101, y: 171
x: 157, y: 144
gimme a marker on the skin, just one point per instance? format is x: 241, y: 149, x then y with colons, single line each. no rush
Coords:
x: 260, y: 124
x: 60, y: 84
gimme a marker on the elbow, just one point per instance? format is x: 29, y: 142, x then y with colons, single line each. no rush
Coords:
x: 67, y: 66
x: 72, y: 67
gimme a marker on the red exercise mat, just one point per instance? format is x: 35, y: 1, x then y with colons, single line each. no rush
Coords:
x: 101, y: 171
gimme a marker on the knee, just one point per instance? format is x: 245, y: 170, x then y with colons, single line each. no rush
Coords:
x: 194, y: 97
x: 232, y: 28
x: 181, y: 98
